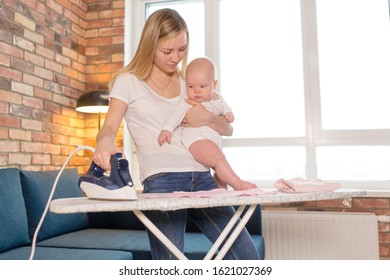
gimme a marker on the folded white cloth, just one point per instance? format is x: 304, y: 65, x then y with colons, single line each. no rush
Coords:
x: 300, y: 185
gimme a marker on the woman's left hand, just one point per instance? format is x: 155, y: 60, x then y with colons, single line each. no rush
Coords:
x: 197, y: 116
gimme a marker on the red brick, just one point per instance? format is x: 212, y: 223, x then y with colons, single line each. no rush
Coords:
x: 111, y: 31
x: 34, y: 59
x: 19, y: 158
x: 22, y: 111
x: 51, y: 149
x: 51, y: 127
x: 79, y: 11
x: 20, y: 134
x: 33, y: 80
x: 29, y: 147
x: 59, y: 119
x: 111, y: 68
x: 4, y: 160
x: 83, y: 24
x: 48, y: 53
x: 371, y: 203
x: 51, y: 65
x: 9, y: 121
x: 3, y: 133
x: 4, y: 108
x: 101, y: 78
x: 31, y: 124
x: 384, y: 238
x: 118, y: 22
x: 10, y: 73
x: 5, y: 60
x: 16, y: 29
x: 5, y: 84
x: 120, y: 13
x: 99, y: 23
x: 72, y: 16
x: 43, y: 73
x: 65, y: 61
x: 41, y: 93
x: 58, y: 160
x: 93, y: 42
x: 55, y: 6
x: 36, y: 16
x: 9, y: 146
x: 10, y: 97
x: 52, y: 86
x: 24, y: 44
x: 384, y: 251
x: 383, y: 227
x: 39, y: 136
x: 41, y: 159
x: 10, y: 50
x: 22, y: 65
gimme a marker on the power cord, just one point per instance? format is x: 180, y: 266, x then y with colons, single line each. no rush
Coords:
x: 79, y: 148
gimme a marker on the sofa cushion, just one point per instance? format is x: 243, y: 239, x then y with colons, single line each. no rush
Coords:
x: 49, y: 253
x: 135, y: 241
x: 13, y: 217
x: 196, y: 245
x: 37, y: 186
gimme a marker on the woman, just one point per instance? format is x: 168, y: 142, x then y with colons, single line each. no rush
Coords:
x: 145, y: 92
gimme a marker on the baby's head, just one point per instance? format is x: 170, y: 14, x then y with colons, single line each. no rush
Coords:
x: 201, y: 79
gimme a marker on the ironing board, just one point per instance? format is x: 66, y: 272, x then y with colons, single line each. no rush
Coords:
x: 166, y: 203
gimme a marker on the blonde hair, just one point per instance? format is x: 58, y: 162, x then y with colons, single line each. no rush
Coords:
x: 161, y: 25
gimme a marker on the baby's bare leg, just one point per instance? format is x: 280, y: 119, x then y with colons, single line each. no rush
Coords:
x: 209, y: 154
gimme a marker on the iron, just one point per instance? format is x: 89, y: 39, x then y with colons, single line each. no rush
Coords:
x: 116, y: 184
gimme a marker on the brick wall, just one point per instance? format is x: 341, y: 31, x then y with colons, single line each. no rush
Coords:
x: 51, y: 52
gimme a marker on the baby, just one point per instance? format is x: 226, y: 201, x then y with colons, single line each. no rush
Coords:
x: 203, y: 142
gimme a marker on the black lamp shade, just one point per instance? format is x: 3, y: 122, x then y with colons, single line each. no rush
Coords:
x: 93, y: 102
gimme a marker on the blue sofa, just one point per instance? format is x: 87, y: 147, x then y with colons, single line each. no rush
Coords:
x: 92, y: 236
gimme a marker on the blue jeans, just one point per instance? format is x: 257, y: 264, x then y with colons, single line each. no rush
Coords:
x: 211, y: 221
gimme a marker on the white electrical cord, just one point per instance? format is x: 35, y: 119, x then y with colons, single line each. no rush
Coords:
x: 79, y: 148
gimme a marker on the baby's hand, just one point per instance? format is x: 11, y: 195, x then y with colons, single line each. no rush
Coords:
x: 229, y: 117
x: 165, y: 136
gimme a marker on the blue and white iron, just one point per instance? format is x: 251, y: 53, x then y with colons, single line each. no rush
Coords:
x: 117, y: 184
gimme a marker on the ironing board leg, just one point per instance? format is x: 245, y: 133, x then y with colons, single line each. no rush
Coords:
x: 224, y: 233
x: 236, y: 232
x: 244, y: 220
x: 141, y: 216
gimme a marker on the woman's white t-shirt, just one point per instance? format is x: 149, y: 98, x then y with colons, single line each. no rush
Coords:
x: 145, y: 116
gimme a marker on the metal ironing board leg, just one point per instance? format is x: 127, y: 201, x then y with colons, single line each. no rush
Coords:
x: 224, y: 233
x: 237, y: 230
x: 222, y: 237
x: 141, y: 216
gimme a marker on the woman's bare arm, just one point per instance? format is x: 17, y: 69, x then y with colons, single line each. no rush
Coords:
x: 198, y: 116
x: 105, y: 139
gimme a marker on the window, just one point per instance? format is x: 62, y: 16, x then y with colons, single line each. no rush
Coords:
x: 307, y: 80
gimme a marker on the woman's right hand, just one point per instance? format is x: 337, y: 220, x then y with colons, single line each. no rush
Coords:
x: 103, y: 153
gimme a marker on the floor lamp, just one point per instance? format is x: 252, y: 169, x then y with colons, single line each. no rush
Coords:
x: 93, y: 102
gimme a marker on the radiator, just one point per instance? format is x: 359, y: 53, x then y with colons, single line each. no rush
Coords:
x: 297, y: 235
